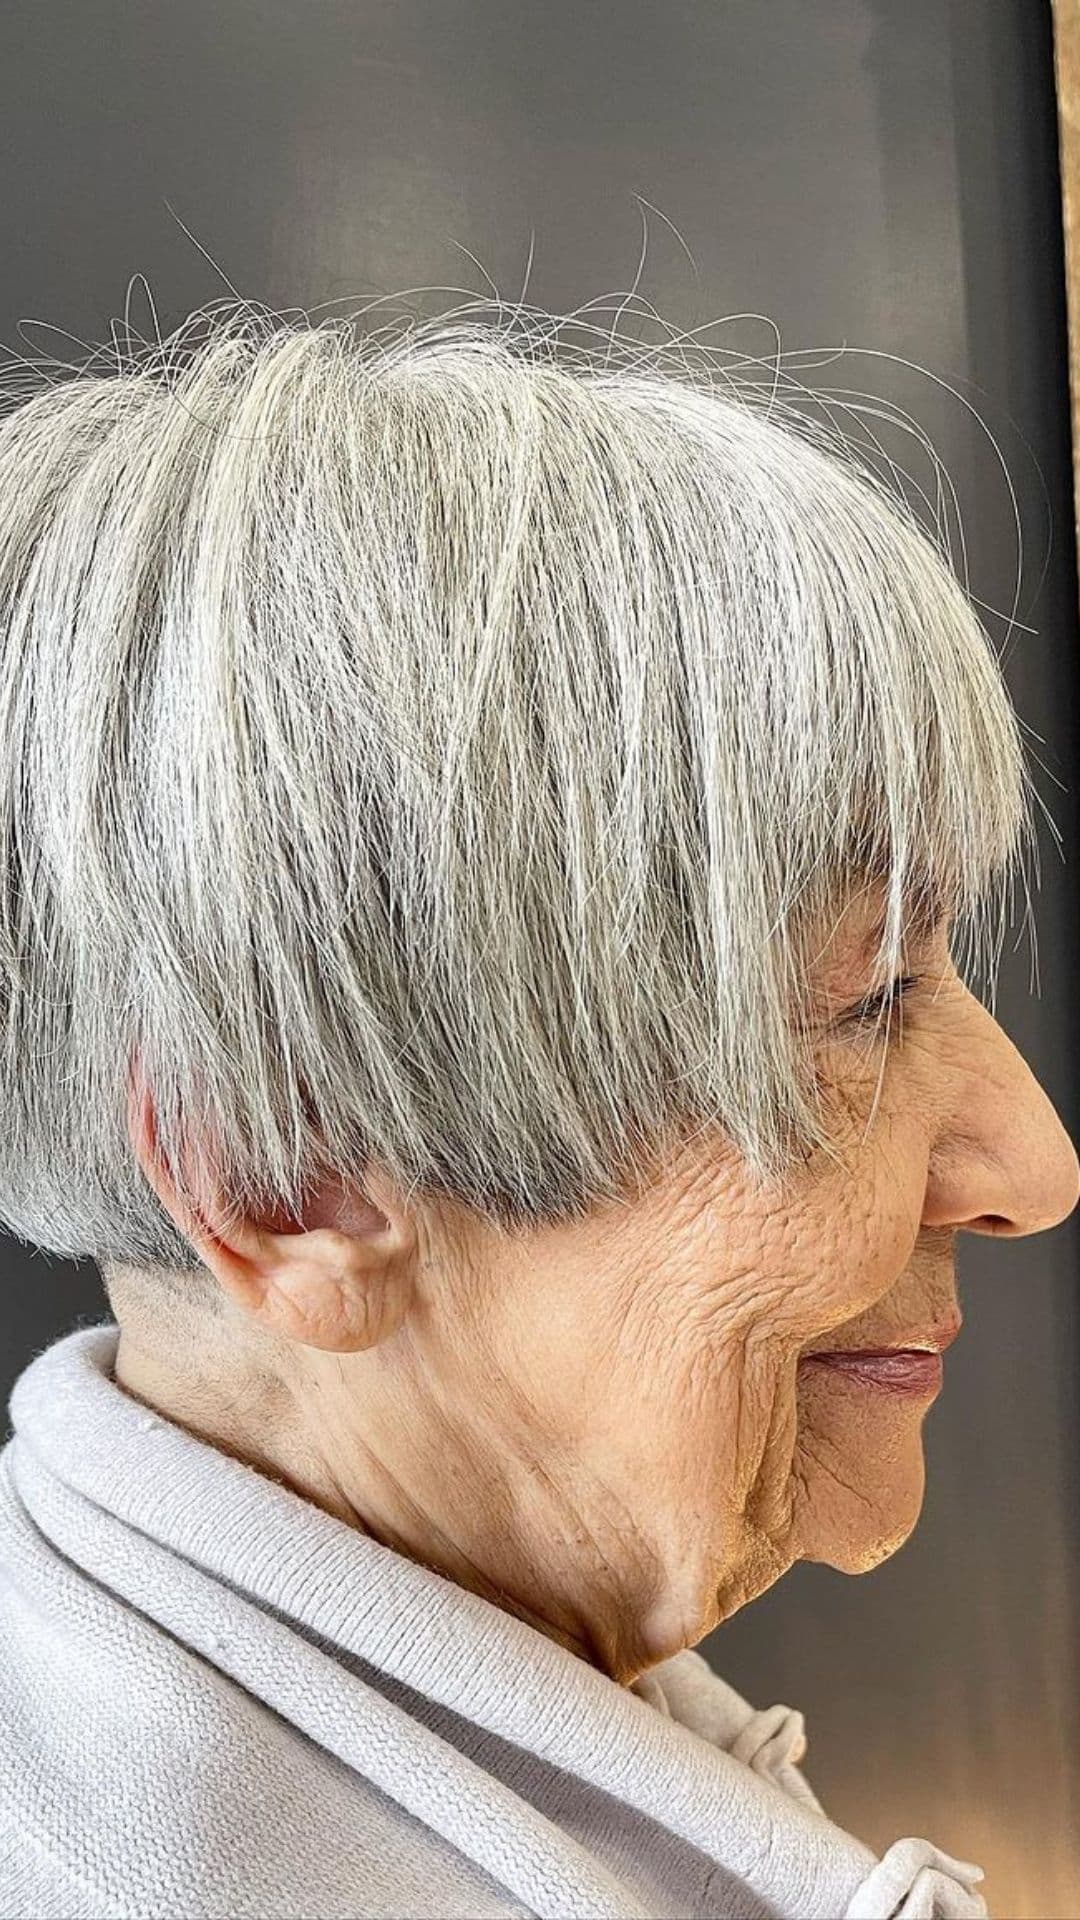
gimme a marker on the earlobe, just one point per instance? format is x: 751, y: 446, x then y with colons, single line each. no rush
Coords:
x: 325, y: 1289
x: 318, y: 1286
x: 340, y: 1280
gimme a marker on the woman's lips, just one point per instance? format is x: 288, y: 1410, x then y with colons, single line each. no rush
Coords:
x: 904, y: 1371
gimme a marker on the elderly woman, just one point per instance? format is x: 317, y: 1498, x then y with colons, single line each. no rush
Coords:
x: 488, y: 832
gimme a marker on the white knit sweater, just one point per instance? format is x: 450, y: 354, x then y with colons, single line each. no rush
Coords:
x: 216, y: 1699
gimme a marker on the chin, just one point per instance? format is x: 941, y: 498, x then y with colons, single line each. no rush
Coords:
x: 862, y: 1556
x: 855, y: 1526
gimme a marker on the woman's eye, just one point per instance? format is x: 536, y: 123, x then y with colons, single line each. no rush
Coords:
x: 871, y: 1011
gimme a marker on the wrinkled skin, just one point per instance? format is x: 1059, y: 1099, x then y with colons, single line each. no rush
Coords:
x: 604, y: 1428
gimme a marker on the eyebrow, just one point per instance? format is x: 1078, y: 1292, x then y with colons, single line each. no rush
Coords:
x: 928, y: 906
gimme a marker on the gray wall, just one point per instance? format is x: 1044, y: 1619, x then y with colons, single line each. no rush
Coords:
x: 860, y: 171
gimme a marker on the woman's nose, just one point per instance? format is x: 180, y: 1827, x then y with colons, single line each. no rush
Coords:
x: 1005, y: 1165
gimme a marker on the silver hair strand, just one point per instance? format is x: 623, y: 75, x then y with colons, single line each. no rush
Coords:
x: 430, y: 745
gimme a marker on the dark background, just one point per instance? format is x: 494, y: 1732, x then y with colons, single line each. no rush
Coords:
x: 859, y: 171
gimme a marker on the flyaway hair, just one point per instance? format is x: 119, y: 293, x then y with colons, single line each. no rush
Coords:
x: 438, y: 744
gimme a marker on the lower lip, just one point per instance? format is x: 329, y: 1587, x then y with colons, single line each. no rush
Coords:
x: 912, y: 1375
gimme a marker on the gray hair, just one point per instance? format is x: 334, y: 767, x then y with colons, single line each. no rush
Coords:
x: 433, y: 744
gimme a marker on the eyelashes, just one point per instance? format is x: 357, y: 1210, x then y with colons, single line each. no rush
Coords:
x: 869, y: 1012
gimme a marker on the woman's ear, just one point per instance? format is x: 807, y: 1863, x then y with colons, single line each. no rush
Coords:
x: 340, y: 1280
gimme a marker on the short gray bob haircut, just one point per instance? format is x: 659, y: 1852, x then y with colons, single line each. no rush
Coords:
x: 434, y: 744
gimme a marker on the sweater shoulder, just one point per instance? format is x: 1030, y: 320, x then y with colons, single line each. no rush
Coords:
x: 137, y: 1778
x: 36, y: 1880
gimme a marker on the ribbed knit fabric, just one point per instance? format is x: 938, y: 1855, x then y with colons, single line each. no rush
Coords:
x: 218, y: 1700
